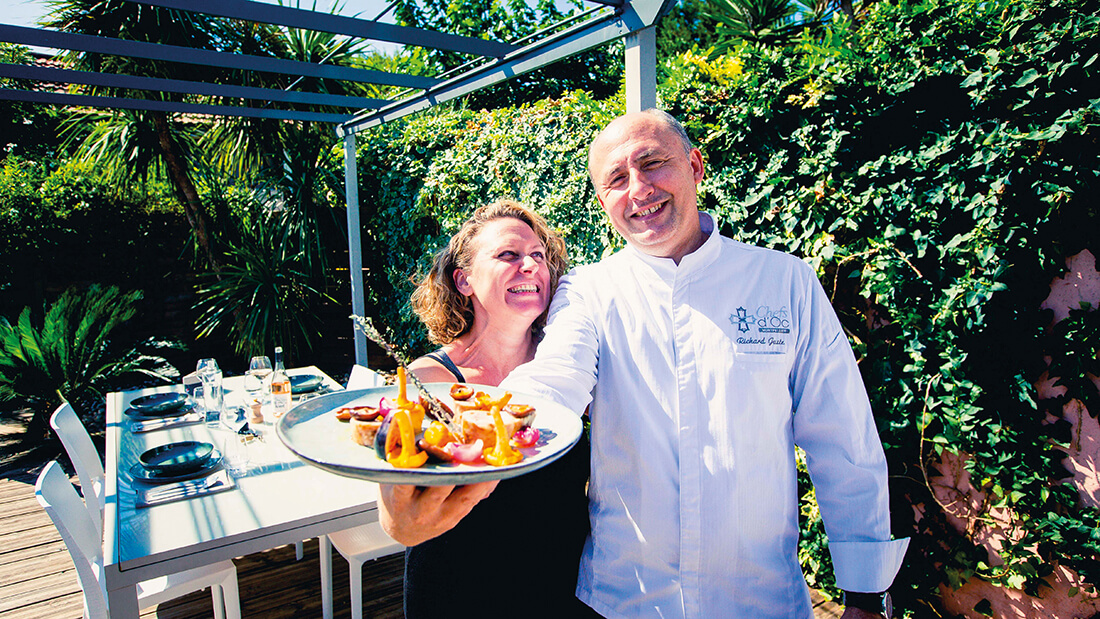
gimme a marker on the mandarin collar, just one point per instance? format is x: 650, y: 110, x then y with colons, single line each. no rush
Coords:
x: 691, y: 263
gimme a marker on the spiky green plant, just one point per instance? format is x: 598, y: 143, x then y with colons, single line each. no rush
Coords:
x: 766, y: 22
x: 72, y: 356
x: 263, y: 297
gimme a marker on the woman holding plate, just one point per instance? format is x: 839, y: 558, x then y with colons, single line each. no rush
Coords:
x: 507, y: 548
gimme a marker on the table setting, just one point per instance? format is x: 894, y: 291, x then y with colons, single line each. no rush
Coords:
x: 235, y: 427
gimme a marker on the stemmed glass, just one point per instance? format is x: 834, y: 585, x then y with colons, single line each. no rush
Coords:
x: 259, y: 369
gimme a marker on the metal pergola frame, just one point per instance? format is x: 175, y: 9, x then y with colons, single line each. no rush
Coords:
x: 632, y: 20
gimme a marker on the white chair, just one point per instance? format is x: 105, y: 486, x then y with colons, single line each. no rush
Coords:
x: 60, y: 500
x: 82, y: 452
x: 357, y: 544
x: 362, y: 377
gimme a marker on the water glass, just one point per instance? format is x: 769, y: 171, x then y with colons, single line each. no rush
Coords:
x: 213, y: 396
x: 235, y: 453
x: 210, y: 416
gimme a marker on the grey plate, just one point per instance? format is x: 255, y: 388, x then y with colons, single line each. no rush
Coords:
x: 313, y: 433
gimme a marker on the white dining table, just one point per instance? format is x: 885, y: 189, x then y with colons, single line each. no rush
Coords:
x: 279, y: 500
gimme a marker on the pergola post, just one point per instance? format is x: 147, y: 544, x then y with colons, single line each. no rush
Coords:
x: 355, y: 246
x: 641, y: 69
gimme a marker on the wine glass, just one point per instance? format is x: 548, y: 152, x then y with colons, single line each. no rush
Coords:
x: 259, y: 369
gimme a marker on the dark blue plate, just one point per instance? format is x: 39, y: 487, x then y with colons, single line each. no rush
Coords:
x: 159, y: 403
x: 144, y: 475
x: 140, y: 415
x: 176, y: 458
x: 302, y: 383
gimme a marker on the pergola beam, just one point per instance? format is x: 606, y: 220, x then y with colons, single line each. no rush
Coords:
x: 57, y: 98
x: 156, y: 84
x: 598, y: 30
x: 336, y: 24
x: 204, y: 57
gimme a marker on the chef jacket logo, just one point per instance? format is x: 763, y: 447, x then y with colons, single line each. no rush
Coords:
x: 762, y: 332
x: 765, y: 320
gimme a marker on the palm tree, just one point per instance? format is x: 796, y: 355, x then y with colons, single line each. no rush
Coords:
x: 136, y: 143
x: 769, y: 22
x: 285, y: 161
x: 279, y: 248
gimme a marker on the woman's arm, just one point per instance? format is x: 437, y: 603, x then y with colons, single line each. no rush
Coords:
x: 415, y: 514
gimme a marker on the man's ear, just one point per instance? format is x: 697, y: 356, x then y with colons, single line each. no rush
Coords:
x: 697, y: 166
x: 462, y: 283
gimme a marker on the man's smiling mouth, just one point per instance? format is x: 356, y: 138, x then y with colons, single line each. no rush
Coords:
x: 650, y: 210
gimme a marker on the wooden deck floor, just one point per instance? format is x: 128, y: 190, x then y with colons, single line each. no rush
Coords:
x: 38, y: 581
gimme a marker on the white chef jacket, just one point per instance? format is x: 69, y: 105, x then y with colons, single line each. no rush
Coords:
x: 702, y: 378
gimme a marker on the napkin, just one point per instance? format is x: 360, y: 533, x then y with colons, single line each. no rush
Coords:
x: 165, y: 422
x: 218, y: 481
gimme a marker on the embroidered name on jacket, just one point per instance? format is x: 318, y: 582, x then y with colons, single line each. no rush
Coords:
x: 763, y: 331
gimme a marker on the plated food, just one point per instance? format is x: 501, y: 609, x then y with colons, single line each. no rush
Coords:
x: 385, y: 436
x: 478, y: 429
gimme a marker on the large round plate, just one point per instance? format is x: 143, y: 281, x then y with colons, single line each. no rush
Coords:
x: 159, y: 403
x: 312, y: 431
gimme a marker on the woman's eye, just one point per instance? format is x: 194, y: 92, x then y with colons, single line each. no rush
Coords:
x: 538, y: 255
x: 508, y: 255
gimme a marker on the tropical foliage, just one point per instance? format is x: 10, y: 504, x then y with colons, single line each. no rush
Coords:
x: 71, y: 356
x: 262, y: 298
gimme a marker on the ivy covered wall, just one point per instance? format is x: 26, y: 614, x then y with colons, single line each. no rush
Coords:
x: 937, y: 163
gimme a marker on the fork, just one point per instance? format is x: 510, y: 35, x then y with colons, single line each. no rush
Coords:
x: 183, y: 488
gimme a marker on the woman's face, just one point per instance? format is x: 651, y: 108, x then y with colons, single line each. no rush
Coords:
x: 508, y: 276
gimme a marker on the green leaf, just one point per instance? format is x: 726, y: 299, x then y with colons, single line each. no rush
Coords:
x: 972, y: 79
x: 1028, y: 77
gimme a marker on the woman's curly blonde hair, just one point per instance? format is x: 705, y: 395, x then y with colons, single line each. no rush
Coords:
x: 445, y: 311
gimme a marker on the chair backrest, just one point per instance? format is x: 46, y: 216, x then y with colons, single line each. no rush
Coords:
x: 89, y: 468
x: 363, y: 377
x: 85, y: 543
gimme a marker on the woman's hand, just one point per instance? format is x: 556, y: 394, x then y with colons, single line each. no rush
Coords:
x: 415, y: 514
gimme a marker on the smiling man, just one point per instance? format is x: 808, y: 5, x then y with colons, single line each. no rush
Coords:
x: 705, y: 362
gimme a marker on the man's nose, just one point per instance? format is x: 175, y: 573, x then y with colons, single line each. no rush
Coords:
x: 640, y: 186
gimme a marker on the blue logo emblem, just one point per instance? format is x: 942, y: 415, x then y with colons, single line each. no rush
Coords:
x: 765, y: 319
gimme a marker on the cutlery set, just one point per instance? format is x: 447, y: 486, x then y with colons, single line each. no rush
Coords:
x: 166, y: 493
